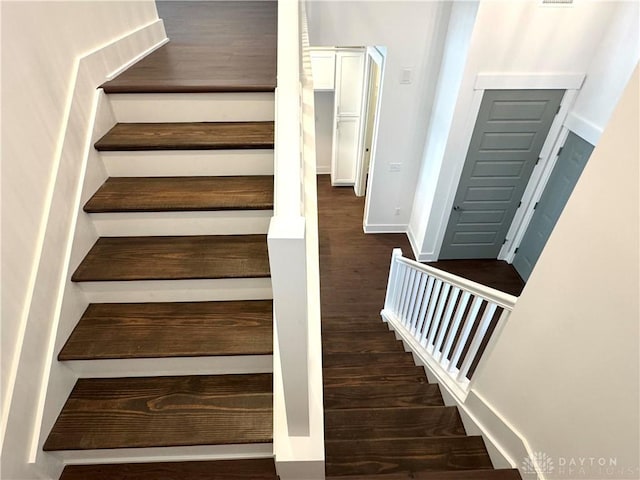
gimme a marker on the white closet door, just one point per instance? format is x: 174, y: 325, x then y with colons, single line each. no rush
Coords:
x: 347, y: 114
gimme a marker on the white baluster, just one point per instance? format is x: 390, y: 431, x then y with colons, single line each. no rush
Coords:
x: 477, y: 340
x: 419, y: 301
x: 411, y: 286
x: 423, y: 309
x: 438, y: 315
x: 432, y: 307
x: 464, y: 333
x: 462, y: 305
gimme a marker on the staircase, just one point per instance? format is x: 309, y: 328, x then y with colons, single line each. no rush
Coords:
x: 175, y: 348
x: 383, y: 419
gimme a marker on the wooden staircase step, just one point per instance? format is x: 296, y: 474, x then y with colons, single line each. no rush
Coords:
x: 351, y: 323
x: 361, y: 342
x: 187, y: 136
x: 372, y: 395
x: 154, y: 330
x: 165, y: 411
x: 155, y: 194
x: 255, y: 469
x: 502, y: 474
x: 368, y: 457
x: 402, y: 422
x: 175, y: 258
x: 399, y: 359
x: 389, y: 375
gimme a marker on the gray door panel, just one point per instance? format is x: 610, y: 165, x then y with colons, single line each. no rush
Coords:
x: 565, y: 175
x: 510, y: 131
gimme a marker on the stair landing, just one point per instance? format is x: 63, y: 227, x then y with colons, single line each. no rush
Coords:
x: 227, y: 47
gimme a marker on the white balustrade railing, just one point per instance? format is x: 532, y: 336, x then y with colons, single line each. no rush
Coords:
x: 293, y: 257
x: 447, y: 320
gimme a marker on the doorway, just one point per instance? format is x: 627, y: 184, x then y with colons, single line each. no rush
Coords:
x: 510, y: 131
x: 372, y: 89
x: 565, y: 174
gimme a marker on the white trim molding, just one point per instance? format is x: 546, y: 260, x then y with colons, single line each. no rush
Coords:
x: 530, y: 80
x: 384, y: 228
x: 583, y: 128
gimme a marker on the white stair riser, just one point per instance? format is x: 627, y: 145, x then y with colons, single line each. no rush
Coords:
x: 157, y: 367
x: 241, y: 222
x: 165, y: 454
x: 193, y: 107
x: 188, y: 163
x: 178, y: 290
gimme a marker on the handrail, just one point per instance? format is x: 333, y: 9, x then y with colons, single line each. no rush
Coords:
x: 500, y: 298
x: 446, y: 320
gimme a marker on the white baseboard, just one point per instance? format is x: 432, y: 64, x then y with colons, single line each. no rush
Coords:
x: 384, y: 228
x: 323, y: 170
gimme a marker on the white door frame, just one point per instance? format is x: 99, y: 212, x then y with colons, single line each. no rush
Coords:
x: 555, y: 138
x: 377, y: 55
x: 372, y: 55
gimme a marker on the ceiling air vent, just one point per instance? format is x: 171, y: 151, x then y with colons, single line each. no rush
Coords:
x: 557, y: 2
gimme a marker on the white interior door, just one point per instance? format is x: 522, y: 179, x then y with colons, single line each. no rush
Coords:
x: 374, y: 61
x: 347, y: 115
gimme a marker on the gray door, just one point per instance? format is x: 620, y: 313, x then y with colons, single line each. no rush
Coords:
x: 510, y: 130
x: 571, y: 161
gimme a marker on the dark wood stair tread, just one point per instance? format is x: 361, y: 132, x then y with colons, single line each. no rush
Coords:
x: 367, y: 457
x: 256, y: 469
x: 165, y: 411
x: 175, y: 258
x: 187, y: 136
x: 377, y: 374
x: 361, y: 342
x: 352, y: 324
x: 409, y: 394
x: 399, y: 359
x: 399, y: 422
x: 154, y: 330
x: 485, y: 474
x: 153, y: 194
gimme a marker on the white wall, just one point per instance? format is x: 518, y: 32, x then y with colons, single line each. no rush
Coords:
x: 41, y: 43
x: 565, y: 370
x: 516, y: 38
x: 324, y: 130
x: 413, y: 33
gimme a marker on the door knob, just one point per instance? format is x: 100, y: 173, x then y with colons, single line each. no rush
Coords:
x: 457, y: 208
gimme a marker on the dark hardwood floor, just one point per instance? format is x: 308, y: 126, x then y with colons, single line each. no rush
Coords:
x: 214, y: 46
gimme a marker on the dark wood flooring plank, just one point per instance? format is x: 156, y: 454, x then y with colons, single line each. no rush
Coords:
x: 257, y: 469
x: 187, y: 136
x: 387, y: 375
x: 214, y: 46
x: 439, y: 475
x: 165, y: 411
x: 397, y: 422
x: 341, y: 324
x: 153, y: 330
x: 153, y: 194
x: 396, y: 394
x: 174, y: 258
x: 398, y: 359
x: 493, y: 273
x: 348, y: 457
x: 361, y: 342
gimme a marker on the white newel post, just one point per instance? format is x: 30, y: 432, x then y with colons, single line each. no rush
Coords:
x: 392, y: 282
x: 287, y: 256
